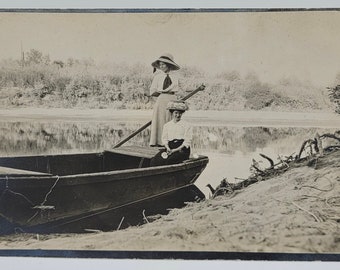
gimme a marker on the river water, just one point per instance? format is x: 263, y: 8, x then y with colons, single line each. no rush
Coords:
x: 230, y: 148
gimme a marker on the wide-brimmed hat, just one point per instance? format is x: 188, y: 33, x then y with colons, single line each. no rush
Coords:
x: 168, y: 59
x: 177, y: 105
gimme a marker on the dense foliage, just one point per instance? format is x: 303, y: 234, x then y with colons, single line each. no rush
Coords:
x: 334, y: 95
x: 38, y: 81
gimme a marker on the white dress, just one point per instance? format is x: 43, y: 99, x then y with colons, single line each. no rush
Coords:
x: 160, y: 114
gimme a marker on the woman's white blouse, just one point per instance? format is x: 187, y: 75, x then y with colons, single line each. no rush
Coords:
x: 158, y: 80
x: 179, y: 130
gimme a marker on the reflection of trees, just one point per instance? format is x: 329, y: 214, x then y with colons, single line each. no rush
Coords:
x: 29, y: 138
x: 38, y: 138
x: 214, y: 138
x: 256, y: 137
x: 244, y: 139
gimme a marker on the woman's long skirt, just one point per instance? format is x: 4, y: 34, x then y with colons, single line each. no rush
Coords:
x: 160, y: 116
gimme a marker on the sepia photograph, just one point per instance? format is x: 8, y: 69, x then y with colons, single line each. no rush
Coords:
x: 213, y: 134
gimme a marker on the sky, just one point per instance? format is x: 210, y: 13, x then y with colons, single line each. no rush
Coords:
x: 274, y: 45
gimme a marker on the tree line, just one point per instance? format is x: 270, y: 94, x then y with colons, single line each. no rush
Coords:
x: 36, y: 80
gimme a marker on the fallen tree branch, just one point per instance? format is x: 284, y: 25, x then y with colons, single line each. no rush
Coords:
x: 329, y: 135
x: 269, y: 159
x: 257, y: 169
x: 120, y: 223
x: 324, y: 190
x: 332, y: 198
x: 336, y: 218
x: 308, y: 212
x: 318, y: 144
x: 284, y: 164
x: 310, y: 141
x: 147, y: 221
x: 331, y: 147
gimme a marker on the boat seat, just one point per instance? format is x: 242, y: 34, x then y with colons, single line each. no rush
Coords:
x: 6, y: 171
x: 136, y: 151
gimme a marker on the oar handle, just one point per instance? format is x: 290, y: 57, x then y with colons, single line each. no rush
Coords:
x: 200, y: 88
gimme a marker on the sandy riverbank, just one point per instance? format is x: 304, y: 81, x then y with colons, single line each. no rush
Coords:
x: 298, y: 211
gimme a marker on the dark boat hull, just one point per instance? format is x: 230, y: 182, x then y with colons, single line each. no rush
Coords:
x: 115, y: 218
x: 94, y: 200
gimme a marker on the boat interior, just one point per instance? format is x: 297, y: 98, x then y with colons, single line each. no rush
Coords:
x: 122, y: 158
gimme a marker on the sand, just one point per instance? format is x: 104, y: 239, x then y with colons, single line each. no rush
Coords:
x: 296, y: 212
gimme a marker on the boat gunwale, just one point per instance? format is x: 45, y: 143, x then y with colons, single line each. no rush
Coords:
x: 117, y: 174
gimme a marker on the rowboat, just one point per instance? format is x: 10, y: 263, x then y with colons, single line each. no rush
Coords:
x: 92, y: 191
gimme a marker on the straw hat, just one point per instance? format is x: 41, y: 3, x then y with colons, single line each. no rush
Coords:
x: 168, y: 59
x: 177, y: 105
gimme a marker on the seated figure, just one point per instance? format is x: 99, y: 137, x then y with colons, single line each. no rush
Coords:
x: 176, y: 137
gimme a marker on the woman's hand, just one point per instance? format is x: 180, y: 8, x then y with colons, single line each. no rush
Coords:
x: 167, y: 148
x: 155, y: 94
x: 167, y: 90
x: 170, y: 151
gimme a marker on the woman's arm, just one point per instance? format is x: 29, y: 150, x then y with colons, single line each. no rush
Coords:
x: 187, y: 135
x: 165, y: 137
x: 179, y: 148
x: 155, y: 85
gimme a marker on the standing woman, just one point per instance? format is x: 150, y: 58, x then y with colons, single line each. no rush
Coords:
x: 164, y: 86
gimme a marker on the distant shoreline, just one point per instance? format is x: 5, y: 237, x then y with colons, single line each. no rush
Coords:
x: 202, y: 118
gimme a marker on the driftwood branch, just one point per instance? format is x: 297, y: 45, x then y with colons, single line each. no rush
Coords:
x: 286, y: 163
x: 331, y: 147
x: 324, y: 190
x: 269, y: 159
x: 318, y: 145
x: 309, y: 141
x: 147, y: 221
x: 329, y: 135
x: 310, y: 213
x: 257, y: 168
x: 120, y: 223
x: 334, y: 198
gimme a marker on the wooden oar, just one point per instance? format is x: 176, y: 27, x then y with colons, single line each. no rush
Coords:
x: 201, y: 88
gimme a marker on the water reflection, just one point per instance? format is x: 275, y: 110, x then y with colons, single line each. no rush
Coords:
x: 21, y: 138
x: 230, y: 149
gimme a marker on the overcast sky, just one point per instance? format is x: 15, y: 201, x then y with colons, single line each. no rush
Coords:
x: 273, y: 44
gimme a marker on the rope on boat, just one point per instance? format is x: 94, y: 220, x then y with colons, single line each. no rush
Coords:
x: 50, y: 191
x: 42, y: 206
x: 7, y: 189
x: 21, y: 195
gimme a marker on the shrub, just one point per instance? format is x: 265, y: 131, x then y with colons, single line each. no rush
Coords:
x: 334, y: 96
x: 73, y: 82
